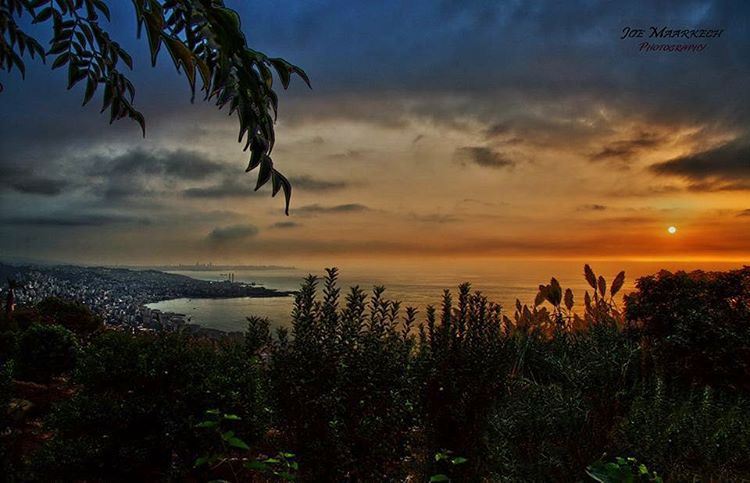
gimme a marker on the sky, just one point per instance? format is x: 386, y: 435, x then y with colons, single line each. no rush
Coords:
x: 434, y: 130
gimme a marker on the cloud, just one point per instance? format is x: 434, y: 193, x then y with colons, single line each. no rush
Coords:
x: 178, y: 164
x: 345, y: 208
x: 23, y: 180
x: 436, y: 218
x: 39, y: 186
x: 592, y: 207
x: 482, y: 156
x: 308, y: 183
x: 744, y: 212
x: 624, y: 150
x: 723, y: 168
x: 75, y: 221
x: 140, y: 173
x: 227, y: 188
x: 285, y: 225
x: 232, y: 233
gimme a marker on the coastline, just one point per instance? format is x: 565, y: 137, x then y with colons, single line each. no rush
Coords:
x: 120, y: 295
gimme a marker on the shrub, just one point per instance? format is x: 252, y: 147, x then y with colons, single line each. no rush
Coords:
x: 72, y: 315
x: 695, y: 434
x: 695, y: 326
x: 565, y: 397
x: 45, y: 351
x: 342, y: 389
x: 462, y: 364
x: 140, y: 399
x: 6, y: 394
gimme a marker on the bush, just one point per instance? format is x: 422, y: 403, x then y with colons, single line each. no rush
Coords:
x: 72, y: 315
x: 697, y: 434
x: 564, y: 399
x: 342, y: 390
x: 45, y: 351
x: 462, y: 364
x: 695, y: 326
x: 6, y: 394
x: 140, y: 399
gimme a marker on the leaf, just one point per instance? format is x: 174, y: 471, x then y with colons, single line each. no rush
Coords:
x: 238, y: 443
x: 439, y: 477
x: 554, y: 295
x: 541, y: 296
x: 602, y: 286
x: 617, y: 283
x: 590, y: 277
x: 266, y: 168
x: 206, y: 424
x: 568, y: 299
x: 256, y: 465
x: 284, y: 69
x: 302, y: 74
x: 43, y: 15
x: 459, y: 460
x: 61, y: 60
x: 90, y: 89
x: 201, y: 461
x: 232, y: 417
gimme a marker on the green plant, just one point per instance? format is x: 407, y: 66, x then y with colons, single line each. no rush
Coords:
x: 342, y: 388
x: 139, y: 400
x: 694, y: 326
x: 449, y: 461
x: 45, y: 351
x: 70, y: 314
x: 621, y: 470
x: 689, y: 434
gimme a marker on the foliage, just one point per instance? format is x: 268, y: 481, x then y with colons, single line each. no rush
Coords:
x: 689, y: 434
x: 45, y: 351
x: 564, y: 399
x: 72, y: 315
x: 461, y: 365
x: 203, y: 38
x: 141, y: 397
x: 621, y: 470
x: 359, y: 391
x: 6, y: 394
x: 694, y: 326
x: 342, y: 385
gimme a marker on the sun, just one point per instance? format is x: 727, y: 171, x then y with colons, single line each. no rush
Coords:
x: 672, y: 230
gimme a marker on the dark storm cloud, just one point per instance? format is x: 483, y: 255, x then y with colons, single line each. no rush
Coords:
x: 726, y: 167
x: 232, y: 233
x: 318, y: 209
x: 744, y: 212
x: 482, y: 156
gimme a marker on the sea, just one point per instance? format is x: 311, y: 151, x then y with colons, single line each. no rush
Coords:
x: 414, y: 284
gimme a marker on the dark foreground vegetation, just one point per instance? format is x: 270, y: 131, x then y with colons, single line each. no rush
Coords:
x: 360, y: 390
